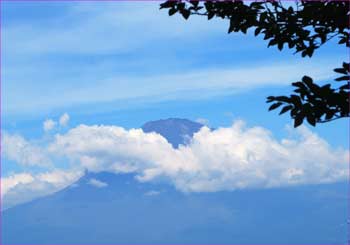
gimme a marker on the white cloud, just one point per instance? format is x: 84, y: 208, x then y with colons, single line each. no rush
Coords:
x: 152, y: 193
x: 83, y: 22
x: 203, y: 121
x: 97, y: 183
x: 48, y: 124
x: 10, y: 182
x: 63, y: 121
x: 18, y: 149
x: 224, y: 159
x: 24, y: 187
x: 196, y: 83
x: 228, y: 158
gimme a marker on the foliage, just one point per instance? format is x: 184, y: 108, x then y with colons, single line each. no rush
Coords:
x: 315, y: 103
x: 304, y: 27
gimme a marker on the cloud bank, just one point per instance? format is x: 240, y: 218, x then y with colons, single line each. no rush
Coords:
x: 24, y: 187
x: 224, y: 159
x: 97, y: 183
x: 23, y: 152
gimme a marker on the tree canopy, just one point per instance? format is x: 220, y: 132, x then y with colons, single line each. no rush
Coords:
x: 303, y: 27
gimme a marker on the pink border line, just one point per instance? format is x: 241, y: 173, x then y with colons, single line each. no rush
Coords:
x: 0, y: 122
x: 1, y: 97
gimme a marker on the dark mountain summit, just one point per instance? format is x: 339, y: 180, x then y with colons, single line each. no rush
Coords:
x: 176, y: 131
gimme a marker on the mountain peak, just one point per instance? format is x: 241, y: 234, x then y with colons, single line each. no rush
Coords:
x: 176, y: 130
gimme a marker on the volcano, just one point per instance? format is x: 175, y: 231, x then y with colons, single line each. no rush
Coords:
x: 109, y: 208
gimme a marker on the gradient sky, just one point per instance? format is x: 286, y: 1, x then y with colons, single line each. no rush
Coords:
x: 126, y: 63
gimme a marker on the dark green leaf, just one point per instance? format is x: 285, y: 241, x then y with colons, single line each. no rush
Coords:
x: 280, y: 45
x: 343, y: 40
x: 172, y: 11
x: 283, y: 99
x: 274, y: 106
x: 346, y: 86
x: 194, y: 3
x: 309, y: 82
x: 167, y: 4
x: 300, y: 85
x: 298, y: 120
x: 341, y: 70
x: 285, y: 109
x: 311, y: 119
x: 295, y: 100
x: 211, y: 15
x: 257, y: 31
x: 272, y: 42
x: 330, y: 114
x: 185, y: 13
x: 343, y: 78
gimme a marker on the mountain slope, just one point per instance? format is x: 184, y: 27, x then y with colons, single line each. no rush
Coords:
x: 126, y: 211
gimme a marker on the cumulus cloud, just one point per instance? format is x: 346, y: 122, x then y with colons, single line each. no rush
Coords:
x: 10, y: 182
x: 18, y: 149
x: 23, y: 187
x: 223, y: 159
x: 48, y: 125
x: 227, y: 158
x: 63, y: 121
x: 97, y: 183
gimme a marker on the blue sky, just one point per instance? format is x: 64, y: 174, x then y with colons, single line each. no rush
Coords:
x: 125, y: 63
